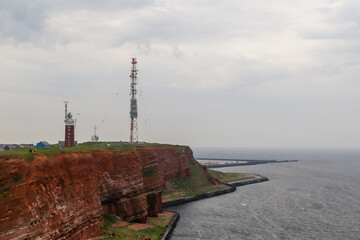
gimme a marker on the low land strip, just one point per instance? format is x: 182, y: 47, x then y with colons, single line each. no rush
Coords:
x: 229, y: 182
x: 155, y: 227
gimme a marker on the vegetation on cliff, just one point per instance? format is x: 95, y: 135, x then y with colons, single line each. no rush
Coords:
x: 197, y: 184
x: 82, y: 147
x: 226, y: 176
x: 115, y: 228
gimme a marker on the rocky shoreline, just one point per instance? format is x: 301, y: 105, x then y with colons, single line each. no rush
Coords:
x: 251, y: 179
x: 199, y: 197
x: 170, y: 227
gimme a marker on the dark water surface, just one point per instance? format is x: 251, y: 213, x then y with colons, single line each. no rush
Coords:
x: 315, y: 198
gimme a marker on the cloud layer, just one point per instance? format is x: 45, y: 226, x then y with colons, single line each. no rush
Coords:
x: 229, y: 73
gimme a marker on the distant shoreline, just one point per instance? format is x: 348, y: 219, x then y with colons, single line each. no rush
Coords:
x: 233, y: 184
x: 239, y: 162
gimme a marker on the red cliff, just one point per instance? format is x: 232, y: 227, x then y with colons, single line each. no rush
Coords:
x: 64, y: 196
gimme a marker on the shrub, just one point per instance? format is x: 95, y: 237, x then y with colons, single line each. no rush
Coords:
x: 149, y: 172
x: 17, y: 178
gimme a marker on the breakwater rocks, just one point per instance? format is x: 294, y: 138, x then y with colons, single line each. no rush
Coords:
x: 245, y: 162
x: 250, y: 179
x: 170, y: 227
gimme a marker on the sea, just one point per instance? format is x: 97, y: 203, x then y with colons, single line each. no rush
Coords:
x: 317, y: 197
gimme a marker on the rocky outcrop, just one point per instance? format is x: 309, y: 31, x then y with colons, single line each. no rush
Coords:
x: 64, y: 196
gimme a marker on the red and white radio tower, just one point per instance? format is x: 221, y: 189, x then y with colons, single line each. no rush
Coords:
x: 133, y: 103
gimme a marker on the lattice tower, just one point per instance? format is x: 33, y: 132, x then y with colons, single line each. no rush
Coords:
x: 133, y: 102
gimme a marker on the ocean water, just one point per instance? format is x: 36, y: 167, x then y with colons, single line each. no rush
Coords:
x: 315, y: 198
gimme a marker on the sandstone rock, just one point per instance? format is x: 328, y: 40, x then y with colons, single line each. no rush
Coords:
x: 64, y: 197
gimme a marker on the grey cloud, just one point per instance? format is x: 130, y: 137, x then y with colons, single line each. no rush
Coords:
x: 177, y: 52
x: 24, y: 21
x: 349, y: 12
x: 102, y: 5
x: 234, y: 60
x: 337, y: 31
x: 338, y: 23
x: 21, y: 20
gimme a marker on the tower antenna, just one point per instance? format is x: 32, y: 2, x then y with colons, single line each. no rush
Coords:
x: 133, y: 102
x: 94, y: 138
x: 66, y: 102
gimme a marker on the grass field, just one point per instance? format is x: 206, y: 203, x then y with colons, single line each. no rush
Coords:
x: 82, y: 147
x: 155, y: 227
x: 226, y: 176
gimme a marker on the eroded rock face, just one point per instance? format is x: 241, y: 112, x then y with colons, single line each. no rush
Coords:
x: 63, y: 197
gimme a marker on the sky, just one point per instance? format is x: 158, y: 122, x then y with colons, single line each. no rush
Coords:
x: 229, y: 73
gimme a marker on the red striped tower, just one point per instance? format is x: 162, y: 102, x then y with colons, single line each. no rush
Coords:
x: 69, y: 128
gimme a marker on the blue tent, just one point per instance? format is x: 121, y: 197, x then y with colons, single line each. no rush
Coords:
x: 42, y: 144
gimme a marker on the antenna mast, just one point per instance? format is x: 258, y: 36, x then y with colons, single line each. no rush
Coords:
x: 133, y: 103
x: 94, y: 138
x: 66, y: 115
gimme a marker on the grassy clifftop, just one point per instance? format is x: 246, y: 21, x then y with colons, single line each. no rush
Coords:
x: 82, y: 147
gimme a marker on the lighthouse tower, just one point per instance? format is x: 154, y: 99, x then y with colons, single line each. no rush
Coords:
x: 69, y: 128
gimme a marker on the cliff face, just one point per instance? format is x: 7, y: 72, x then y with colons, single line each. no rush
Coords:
x: 63, y: 197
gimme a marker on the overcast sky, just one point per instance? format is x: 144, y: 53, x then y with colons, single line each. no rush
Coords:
x: 211, y: 73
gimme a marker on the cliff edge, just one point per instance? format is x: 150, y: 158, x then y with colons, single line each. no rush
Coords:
x: 64, y: 196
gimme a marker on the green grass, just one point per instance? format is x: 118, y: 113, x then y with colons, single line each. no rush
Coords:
x: 108, y: 221
x: 125, y: 233
x: 28, y: 157
x: 197, y: 184
x: 82, y: 147
x: 17, y: 178
x: 226, y: 176
x: 129, y: 234
x: 4, y: 192
x: 150, y: 171
x: 6, y: 186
